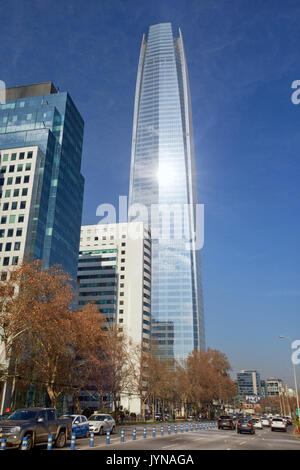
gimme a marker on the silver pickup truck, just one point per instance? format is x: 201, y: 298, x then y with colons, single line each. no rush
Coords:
x: 36, y: 424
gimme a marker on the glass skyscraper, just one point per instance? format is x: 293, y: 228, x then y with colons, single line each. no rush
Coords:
x: 163, y: 191
x: 41, y: 136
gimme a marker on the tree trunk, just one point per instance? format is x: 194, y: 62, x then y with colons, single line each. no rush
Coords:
x: 77, y: 404
x: 51, y: 395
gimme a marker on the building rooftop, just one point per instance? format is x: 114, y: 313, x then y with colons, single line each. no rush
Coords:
x: 28, y: 91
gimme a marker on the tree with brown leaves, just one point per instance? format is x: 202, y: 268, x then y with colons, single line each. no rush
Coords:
x: 46, y: 341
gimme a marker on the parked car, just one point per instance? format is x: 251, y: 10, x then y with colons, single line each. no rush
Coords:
x: 257, y: 423
x: 226, y: 421
x: 265, y: 421
x: 245, y: 425
x: 279, y: 423
x: 80, y: 425
x: 289, y: 420
x: 100, y: 423
x: 35, y: 424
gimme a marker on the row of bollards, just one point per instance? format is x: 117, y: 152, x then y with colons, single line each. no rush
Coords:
x: 191, y: 427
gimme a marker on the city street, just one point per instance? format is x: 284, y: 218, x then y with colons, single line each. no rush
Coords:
x: 209, y: 439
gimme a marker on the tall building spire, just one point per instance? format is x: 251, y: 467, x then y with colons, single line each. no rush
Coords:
x: 163, y: 191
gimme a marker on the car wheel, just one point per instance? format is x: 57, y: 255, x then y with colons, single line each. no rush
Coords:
x: 87, y: 433
x: 113, y: 430
x: 101, y: 431
x: 61, y: 440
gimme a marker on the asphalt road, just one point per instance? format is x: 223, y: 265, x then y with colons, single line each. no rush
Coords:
x: 211, y: 439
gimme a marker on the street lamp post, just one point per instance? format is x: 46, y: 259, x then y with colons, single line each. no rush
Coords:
x: 295, y: 378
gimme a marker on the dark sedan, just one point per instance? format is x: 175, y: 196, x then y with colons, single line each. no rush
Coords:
x: 245, y: 425
x: 226, y: 421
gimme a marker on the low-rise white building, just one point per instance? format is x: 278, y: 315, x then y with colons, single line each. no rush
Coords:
x: 114, y: 272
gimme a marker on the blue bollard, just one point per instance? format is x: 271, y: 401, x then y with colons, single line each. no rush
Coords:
x: 145, y: 432
x: 153, y: 431
x: 108, y: 436
x: 186, y: 428
x: 92, y: 437
x: 192, y: 427
x: 3, y: 444
x: 161, y: 430
x: 181, y: 428
x: 175, y: 428
x: 24, y: 443
x: 122, y: 438
x: 50, y: 442
x: 73, y: 441
x: 196, y: 427
x: 134, y: 434
x: 169, y: 429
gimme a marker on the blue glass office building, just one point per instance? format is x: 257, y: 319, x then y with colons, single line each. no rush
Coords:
x: 163, y: 174
x: 38, y: 115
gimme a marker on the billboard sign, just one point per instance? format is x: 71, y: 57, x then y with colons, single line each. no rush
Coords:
x: 252, y: 399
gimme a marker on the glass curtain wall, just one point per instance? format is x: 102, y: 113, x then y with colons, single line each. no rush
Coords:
x: 162, y: 180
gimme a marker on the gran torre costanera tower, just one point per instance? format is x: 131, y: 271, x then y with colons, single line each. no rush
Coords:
x: 163, y: 192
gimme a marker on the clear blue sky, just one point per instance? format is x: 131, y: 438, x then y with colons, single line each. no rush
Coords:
x: 242, y: 58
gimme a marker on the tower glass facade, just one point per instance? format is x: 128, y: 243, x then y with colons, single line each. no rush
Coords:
x: 38, y: 116
x: 162, y: 177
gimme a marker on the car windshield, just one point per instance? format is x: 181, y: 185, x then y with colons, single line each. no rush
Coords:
x: 97, y: 418
x: 278, y: 419
x: 23, y: 415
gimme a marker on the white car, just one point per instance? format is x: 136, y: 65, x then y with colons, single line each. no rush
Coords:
x: 100, y: 423
x: 257, y: 423
x: 265, y: 421
x: 279, y: 423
